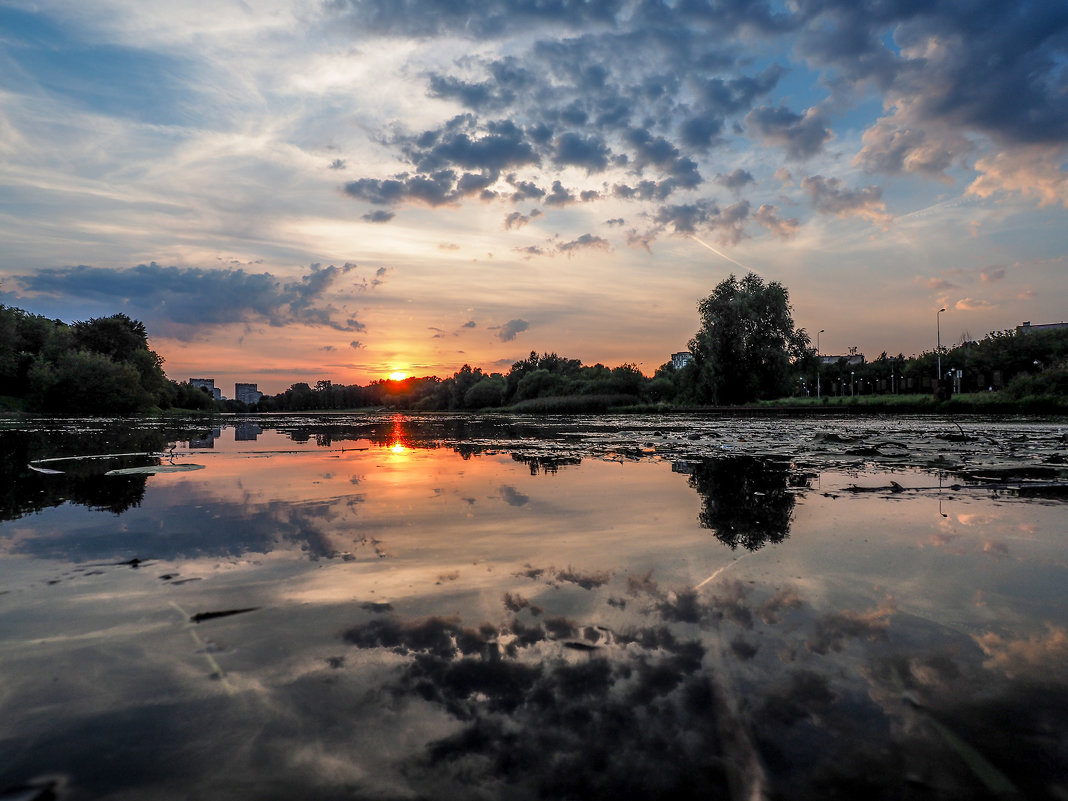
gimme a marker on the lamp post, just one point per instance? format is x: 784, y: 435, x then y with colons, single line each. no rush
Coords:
x: 938, y: 331
x: 818, y: 363
x: 851, y: 383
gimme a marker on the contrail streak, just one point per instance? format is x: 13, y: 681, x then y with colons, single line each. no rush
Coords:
x: 718, y: 253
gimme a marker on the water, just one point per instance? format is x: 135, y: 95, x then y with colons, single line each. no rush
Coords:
x: 449, y: 607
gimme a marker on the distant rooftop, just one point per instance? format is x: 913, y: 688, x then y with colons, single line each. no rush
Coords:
x: 1027, y: 328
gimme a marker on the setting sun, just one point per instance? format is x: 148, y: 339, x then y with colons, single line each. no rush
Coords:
x: 398, y: 376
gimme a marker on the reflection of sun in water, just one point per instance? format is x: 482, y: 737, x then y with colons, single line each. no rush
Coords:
x: 398, y: 449
x: 399, y: 375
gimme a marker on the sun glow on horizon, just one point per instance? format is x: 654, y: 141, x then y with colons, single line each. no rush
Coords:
x: 398, y: 375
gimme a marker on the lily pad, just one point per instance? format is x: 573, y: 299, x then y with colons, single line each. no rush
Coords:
x: 152, y: 470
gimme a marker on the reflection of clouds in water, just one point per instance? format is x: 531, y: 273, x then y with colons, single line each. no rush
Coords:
x: 1039, y: 657
x: 834, y: 628
x: 635, y: 719
x: 998, y: 549
x: 513, y: 497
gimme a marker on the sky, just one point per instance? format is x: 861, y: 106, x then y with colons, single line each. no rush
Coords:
x: 291, y: 191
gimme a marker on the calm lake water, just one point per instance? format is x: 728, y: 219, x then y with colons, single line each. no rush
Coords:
x: 396, y: 607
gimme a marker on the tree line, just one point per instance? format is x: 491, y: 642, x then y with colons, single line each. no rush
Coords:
x: 746, y: 349
x: 98, y: 366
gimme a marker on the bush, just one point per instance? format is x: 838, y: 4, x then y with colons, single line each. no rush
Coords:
x: 80, y: 381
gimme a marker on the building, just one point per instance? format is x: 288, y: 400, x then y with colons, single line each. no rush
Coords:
x: 851, y: 361
x: 1027, y: 328
x: 681, y: 359
x: 247, y: 393
x: 208, y: 385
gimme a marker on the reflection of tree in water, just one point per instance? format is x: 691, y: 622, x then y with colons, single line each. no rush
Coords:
x: 23, y: 491
x: 548, y: 465
x: 746, y: 500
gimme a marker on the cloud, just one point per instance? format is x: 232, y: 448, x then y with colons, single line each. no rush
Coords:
x: 892, y: 150
x: 337, y: 164
x: 1035, y: 172
x: 510, y: 329
x: 559, y: 196
x: 423, y: 18
x: 515, y: 220
x: 685, y: 218
x: 992, y: 274
x: 434, y: 190
x: 585, y: 242
x: 357, y: 345
x: 735, y: 180
x: 181, y: 301
x: 525, y: 190
x: 591, y: 153
x: 767, y: 215
x: 830, y: 196
x: 971, y: 304
x: 493, y: 146
x: 1036, y: 657
x: 938, y: 284
x: 379, y: 216
x: 802, y: 135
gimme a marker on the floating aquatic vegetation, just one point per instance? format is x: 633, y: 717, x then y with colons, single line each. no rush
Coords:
x: 153, y: 470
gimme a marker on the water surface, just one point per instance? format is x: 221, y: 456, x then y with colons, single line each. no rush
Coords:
x: 452, y: 607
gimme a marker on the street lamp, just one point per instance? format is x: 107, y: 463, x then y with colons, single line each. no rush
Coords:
x: 851, y: 383
x: 818, y: 363
x: 938, y: 331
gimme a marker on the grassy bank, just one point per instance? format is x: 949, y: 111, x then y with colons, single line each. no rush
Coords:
x: 964, y: 403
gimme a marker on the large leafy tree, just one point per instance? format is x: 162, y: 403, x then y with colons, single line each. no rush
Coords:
x: 746, y: 342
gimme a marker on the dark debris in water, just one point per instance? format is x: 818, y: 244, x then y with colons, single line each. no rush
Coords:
x: 200, y: 617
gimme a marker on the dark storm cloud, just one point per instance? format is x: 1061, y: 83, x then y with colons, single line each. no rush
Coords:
x: 178, y: 301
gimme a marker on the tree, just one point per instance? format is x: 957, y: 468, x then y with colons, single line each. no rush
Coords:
x: 746, y: 342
